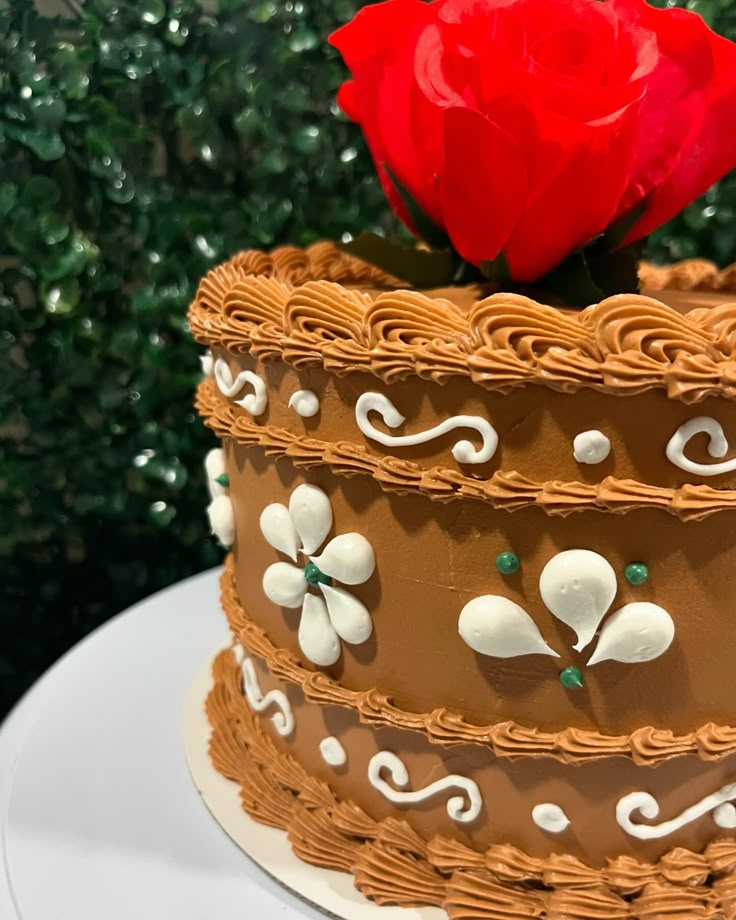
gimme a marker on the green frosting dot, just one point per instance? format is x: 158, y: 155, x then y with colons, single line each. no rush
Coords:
x: 314, y: 575
x: 223, y: 479
x: 636, y: 573
x: 507, y: 563
x: 572, y: 678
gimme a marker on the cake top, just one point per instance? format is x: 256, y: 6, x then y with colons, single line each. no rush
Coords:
x: 323, y: 307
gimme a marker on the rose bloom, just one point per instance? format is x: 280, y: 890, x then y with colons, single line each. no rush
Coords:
x: 528, y: 127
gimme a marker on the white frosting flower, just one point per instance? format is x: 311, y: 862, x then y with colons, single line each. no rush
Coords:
x: 578, y: 587
x: 298, y: 532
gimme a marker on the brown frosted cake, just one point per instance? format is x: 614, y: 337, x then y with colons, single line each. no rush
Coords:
x: 481, y: 491
x: 481, y: 585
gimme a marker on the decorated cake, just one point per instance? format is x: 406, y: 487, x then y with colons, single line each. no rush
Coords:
x: 481, y: 491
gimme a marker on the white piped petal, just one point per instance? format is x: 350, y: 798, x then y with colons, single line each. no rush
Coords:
x: 284, y: 584
x: 222, y: 519
x: 207, y: 363
x: 317, y: 637
x: 279, y: 531
x: 496, y: 626
x: 348, y: 558
x: 214, y: 466
x: 311, y: 513
x: 637, y: 632
x: 578, y: 586
x: 349, y: 616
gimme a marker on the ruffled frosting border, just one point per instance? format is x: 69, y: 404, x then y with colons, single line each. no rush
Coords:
x: 645, y: 746
x: 507, y: 490
x: 392, y: 864
x: 308, y: 307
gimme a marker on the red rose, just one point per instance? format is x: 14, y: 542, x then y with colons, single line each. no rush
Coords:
x: 527, y: 127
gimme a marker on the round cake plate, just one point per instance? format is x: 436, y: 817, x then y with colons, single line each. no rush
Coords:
x: 99, y: 816
x: 332, y: 891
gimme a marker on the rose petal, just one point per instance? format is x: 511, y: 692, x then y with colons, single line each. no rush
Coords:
x: 349, y: 616
x: 222, y: 519
x: 311, y: 513
x: 349, y: 558
x: 687, y: 139
x: 317, y: 637
x: 379, y: 46
x: 284, y: 584
x: 484, y: 185
x: 279, y: 531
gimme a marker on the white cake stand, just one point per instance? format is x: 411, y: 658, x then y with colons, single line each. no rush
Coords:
x: 99, y: 817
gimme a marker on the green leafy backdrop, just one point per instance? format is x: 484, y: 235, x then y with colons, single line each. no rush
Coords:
x: 140, y: 143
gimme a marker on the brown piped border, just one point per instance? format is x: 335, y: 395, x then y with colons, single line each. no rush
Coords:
x: 509, y: 491
x: 646, y: 746
x: 391, y: 864
x: 308, y: 308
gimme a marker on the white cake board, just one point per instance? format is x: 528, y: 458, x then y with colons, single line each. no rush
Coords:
x: 333, y: 891
x: 99, y: 817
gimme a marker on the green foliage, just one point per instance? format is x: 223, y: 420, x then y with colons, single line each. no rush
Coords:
x: 141, y: 142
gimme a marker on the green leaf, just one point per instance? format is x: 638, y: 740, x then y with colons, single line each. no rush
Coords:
x: 497, y: 271
x: 46, y: 146
x: 572, y: 281
x: 8, y: 196
x: 617, y: 233
x: 433, y: 235
x: 420, y: 267
x: 151, y: 11
x: 40, y: 192
x: 60, y: 297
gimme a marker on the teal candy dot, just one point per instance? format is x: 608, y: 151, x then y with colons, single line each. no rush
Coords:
x: 507, y: 563
x: 314, y: 575
x: 636, y: 573
x: 223, y: 479
x: 572, y: 678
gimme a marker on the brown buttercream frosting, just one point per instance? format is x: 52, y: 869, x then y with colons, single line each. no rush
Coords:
x: 303, y: 306
x: 645, y: 746
x: 392, y: 864
x: 508, y: 490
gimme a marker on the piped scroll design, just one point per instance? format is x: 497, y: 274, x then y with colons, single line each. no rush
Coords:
x: 463, y: 451
x: 457, y: 807
x: 717, y: 447
x: 719, y: 803
x: 283, y: 720
x: 255, y: 403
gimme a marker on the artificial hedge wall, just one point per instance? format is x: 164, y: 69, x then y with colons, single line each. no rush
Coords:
x: 142, y: 141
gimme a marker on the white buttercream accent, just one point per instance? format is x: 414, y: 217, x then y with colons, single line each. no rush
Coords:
x: 304, y: 403
x: 637, y: 632
x: 349, y: 616
x: 283, y: 720
x: 717, y: 447
x: 284, y: 584
x: 457, y: 807
x: 647, y: 806
x: 207, y: 363
x: 550, y: 818
x: 317, y: 636
x: 578, y: 586
x: 349, y: 558
x: 463, y: 451
x: 591, y: 446
x: 496, y: 626
x: 311, y: 513
x: 279, y: 531
x: 222, y: 519
x: 333, y: 753
x: 238, y: 653
x: 255, y: 403
x: 214, y: 466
